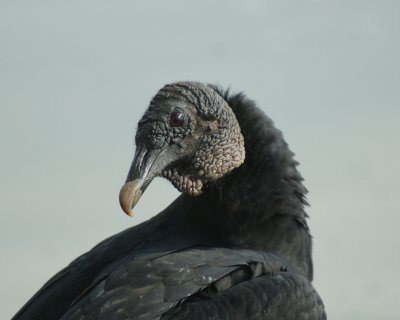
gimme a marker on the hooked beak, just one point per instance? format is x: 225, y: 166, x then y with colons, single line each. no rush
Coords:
x: 143, y: 169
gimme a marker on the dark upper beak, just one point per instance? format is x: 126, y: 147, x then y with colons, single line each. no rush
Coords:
x: 144, y: 168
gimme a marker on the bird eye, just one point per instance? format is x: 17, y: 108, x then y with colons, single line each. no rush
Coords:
x: 177, y: 119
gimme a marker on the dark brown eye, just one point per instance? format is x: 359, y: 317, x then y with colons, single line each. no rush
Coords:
x: 177, y: 119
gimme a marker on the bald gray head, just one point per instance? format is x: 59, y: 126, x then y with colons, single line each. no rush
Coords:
x: 189, y: 135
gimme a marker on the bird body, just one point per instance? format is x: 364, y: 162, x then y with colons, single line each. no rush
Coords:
x: 234, y: 245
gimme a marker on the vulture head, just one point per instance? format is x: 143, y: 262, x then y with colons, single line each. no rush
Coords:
x: 189, y: 135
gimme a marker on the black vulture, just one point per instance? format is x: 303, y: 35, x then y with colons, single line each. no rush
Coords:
x: 234, y: 245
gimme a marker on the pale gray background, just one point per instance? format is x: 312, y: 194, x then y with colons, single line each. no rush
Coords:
x: 76, y: 76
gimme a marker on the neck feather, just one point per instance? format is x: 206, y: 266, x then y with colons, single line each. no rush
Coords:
x: 268, y: 183
x: 260, y: 205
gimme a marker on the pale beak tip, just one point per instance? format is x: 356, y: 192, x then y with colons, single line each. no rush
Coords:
x: 129, y: 196
x: 128, y: 212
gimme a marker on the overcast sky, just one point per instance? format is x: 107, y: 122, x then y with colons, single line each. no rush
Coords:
x: 76, y: 76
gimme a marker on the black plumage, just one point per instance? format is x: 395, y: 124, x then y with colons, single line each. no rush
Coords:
x: 234, y: 245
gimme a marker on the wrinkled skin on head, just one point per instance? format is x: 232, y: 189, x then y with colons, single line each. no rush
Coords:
x: 189, y: 135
